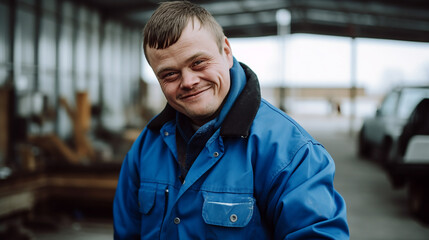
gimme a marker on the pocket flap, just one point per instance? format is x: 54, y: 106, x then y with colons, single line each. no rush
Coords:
x: 227, y: 210
x: 146, y: 199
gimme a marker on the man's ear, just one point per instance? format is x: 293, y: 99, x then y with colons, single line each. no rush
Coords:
x: 228, y: 52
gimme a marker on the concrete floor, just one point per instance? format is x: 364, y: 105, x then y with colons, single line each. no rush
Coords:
x: 375, y: 210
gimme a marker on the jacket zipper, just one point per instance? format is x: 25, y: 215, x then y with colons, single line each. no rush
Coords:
x: 166, y: 193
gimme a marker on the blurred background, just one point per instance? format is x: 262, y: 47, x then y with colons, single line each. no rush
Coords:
x: 76, y: 90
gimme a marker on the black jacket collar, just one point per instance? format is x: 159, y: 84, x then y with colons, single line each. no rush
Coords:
x: 239, y: 119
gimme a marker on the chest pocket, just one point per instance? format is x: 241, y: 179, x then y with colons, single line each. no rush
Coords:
x: 227, y: 210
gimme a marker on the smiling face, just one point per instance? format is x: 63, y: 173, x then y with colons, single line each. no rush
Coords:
x: 193, y: 74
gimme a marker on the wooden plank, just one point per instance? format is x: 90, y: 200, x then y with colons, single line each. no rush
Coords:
x: 83, y: 110
x: 4, y: 115
x: 20, y: 201
x: 82, y: 183
x: 17, y: 195
x: 54, y: 145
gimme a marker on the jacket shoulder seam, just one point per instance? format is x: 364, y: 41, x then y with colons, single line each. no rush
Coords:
x: 277, y: 111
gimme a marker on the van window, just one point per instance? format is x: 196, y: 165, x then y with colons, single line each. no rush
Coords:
x: 388, y: 106
x: 409, y: 99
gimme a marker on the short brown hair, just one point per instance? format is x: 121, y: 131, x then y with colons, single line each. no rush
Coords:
x: 170, y: 19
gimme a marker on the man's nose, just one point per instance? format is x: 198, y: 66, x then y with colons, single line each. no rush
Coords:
x: 189, y: 79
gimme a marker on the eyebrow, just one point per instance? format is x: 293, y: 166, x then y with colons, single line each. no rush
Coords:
x: 189, y: 59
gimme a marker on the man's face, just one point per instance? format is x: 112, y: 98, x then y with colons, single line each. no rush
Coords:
x: 193, y: 74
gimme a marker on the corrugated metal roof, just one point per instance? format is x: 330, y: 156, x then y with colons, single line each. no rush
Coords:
x: 387, y: 19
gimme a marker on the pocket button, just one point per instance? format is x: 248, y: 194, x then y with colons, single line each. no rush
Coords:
x: 233, y: 218
x: 176, y: 220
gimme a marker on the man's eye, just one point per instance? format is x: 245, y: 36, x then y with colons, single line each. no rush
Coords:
x: 197, y: 63
x: 170, y: 76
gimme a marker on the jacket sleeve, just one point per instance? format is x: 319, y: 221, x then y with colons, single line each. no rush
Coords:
x: 301, y: 201
x: 126, y: 215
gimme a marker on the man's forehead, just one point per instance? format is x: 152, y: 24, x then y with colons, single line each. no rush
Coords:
x: 186, y: 37
x: 194, y: 23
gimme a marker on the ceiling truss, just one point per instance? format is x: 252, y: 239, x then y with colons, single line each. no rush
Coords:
x: 387, y: 19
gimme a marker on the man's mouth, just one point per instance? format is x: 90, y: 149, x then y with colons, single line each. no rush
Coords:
x: 193, y: 94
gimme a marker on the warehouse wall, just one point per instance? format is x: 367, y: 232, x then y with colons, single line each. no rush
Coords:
x: 51, y: 49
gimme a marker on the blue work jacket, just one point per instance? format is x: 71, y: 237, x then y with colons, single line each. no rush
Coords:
x: 259, y: 176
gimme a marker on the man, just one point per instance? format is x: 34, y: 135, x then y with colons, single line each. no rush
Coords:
x: 218, y: 162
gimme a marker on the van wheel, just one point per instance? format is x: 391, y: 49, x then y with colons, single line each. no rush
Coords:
x: 364, y: 148
x: 418, y: 197
x: 384, y: 152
